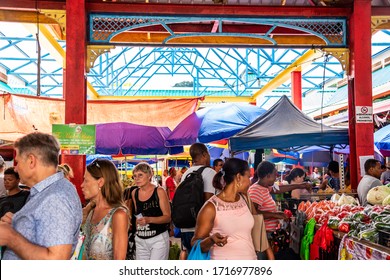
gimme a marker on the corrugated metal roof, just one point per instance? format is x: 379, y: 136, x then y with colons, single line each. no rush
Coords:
x: 379, y: 78
x: 6, y: 88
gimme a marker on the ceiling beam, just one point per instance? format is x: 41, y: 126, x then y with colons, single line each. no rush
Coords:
x: 213, y: 10
x: 380, y: 11
x: 29, y: 5
x: 24, y: 17
x: 302, y: 62
x: 97, y: 6
x: 157, y: 39
x: 207, y: 99
x: 51, y: 45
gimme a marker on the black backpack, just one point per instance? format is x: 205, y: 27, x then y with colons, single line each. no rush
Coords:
x: 188, y: 200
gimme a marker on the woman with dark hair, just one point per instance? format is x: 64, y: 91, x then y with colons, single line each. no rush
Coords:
x: 225, y: 222
x: 297, y: 176
x: 261, y: 191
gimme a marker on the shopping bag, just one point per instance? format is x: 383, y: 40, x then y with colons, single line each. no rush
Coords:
x: 259, y: 235
x: 197, y: 254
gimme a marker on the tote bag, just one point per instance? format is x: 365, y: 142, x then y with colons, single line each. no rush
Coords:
x: 197, y: 254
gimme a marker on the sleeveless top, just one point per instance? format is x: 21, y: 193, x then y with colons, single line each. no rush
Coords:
x: 98, y: 237
x: 149, y: 208
x: 233, y: 219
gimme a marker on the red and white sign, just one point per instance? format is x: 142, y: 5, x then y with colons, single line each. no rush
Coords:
x: 364, y: 114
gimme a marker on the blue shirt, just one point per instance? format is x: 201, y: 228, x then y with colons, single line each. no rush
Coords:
x: 51, y: 216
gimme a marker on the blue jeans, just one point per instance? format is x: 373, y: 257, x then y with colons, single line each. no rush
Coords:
x: 186, y: 240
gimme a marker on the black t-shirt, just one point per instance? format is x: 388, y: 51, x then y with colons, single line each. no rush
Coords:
x: 13, y: 203
x: 149, y: 208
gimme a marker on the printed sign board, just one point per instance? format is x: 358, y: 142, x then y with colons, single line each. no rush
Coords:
x: 364, y: 114
x: 75, y: 139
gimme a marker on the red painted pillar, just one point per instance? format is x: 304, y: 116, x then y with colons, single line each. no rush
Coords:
x: 360, y: 93
x: 75, y: 86
x: 296, y: 88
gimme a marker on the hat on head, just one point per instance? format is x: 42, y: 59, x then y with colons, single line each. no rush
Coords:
x: 1, y: 161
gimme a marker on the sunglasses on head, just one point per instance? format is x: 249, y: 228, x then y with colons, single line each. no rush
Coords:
x: 95, y: 163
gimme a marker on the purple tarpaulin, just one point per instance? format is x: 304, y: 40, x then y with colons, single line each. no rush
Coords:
x: 128, y: 138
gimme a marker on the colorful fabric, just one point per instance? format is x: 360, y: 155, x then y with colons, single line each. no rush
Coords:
x: 352, y: 249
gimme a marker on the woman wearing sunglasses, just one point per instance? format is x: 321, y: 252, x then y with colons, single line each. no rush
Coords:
x: 153, y: 215
x: 106, y: 226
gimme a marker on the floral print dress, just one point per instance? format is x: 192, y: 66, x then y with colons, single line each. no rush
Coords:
x: 98, y: 237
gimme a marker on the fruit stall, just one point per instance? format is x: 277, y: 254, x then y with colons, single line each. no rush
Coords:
x: 340, y: 228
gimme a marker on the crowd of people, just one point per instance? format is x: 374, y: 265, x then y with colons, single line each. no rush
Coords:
x: 47, y: 220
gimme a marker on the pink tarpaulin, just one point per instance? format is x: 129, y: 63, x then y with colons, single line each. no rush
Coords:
x: 22, y: 114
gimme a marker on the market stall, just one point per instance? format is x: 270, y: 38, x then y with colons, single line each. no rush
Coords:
x: 342, y: 229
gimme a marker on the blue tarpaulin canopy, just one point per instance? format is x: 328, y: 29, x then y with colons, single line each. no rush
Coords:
x: 213, y: 123
x: 382, y: 140
x: 284, y: 126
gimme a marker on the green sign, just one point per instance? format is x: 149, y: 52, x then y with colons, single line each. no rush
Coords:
x: 75, y: 139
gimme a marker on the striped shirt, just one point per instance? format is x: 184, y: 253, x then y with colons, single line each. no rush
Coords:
x: 262, y: 197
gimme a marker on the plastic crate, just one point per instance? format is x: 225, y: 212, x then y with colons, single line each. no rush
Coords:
x: 384, y: 238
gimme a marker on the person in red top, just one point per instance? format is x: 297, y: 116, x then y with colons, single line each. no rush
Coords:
x: 171, y: 183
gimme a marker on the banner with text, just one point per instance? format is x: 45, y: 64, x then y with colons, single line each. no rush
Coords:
x: 76, y: 139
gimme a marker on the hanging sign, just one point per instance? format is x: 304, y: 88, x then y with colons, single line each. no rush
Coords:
x: 75, y: 139
x: 364, y: 114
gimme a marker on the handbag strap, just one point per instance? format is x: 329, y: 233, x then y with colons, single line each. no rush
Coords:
x: 247, y: 201
x: 249, y: 204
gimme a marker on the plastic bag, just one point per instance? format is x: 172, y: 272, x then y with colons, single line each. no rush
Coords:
x: 197, y: 254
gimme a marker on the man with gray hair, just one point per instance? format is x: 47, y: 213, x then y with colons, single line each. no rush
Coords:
x: 3, y: 191
x: 47, y: 227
